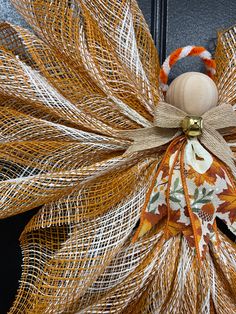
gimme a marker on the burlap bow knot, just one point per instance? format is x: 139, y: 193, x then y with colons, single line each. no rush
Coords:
x: 167, y: 126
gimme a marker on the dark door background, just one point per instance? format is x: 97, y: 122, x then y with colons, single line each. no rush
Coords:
x: 173, y: 23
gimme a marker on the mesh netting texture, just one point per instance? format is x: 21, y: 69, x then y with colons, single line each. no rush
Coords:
x: 87, y: 71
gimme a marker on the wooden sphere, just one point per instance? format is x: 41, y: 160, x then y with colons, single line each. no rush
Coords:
x: 193, y: 92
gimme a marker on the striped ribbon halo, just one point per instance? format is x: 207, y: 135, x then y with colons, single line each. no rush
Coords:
x: 181, y: 53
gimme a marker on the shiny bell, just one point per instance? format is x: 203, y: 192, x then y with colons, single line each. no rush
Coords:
x: 192, y: 126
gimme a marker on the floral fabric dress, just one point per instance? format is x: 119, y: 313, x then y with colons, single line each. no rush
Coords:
x: 191, y: 188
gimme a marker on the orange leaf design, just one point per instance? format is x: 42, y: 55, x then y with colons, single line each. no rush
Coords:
x: 150, y: 220
x: 229, y: 205
x: 174, y: 226
x: 155, y: 218
x: 209, y: 176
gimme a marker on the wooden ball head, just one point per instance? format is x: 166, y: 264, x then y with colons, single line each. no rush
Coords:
x: 193, y: 92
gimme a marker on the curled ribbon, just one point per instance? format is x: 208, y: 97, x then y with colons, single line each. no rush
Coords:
x: 167, y: 126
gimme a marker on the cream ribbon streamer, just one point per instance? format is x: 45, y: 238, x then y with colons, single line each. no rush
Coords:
x: 167, y: 126
x: 197, y: 156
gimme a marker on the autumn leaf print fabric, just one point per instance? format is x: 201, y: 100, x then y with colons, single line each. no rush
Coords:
x: 191, y: 188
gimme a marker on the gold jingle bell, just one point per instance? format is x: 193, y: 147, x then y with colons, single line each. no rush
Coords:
x: 192, y: 126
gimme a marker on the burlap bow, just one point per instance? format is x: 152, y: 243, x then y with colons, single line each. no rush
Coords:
x: 167, y: 126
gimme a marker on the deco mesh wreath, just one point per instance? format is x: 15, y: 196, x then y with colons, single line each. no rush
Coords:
x: 70, y: 93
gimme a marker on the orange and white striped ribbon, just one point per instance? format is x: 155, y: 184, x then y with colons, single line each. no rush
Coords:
x: 182, y: 53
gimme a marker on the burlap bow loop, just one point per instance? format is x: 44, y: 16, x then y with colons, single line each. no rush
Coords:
x: 167, y: 126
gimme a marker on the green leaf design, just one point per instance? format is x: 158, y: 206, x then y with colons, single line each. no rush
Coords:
x: 196, y: 193
x: 176, y: 183
x: 195, y: 209
x: 203, y: 201
x: 180, y: 191
x: 210, y: 193
x: 155, y: 197
x: 174, y: 199
x: 204, y: 191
